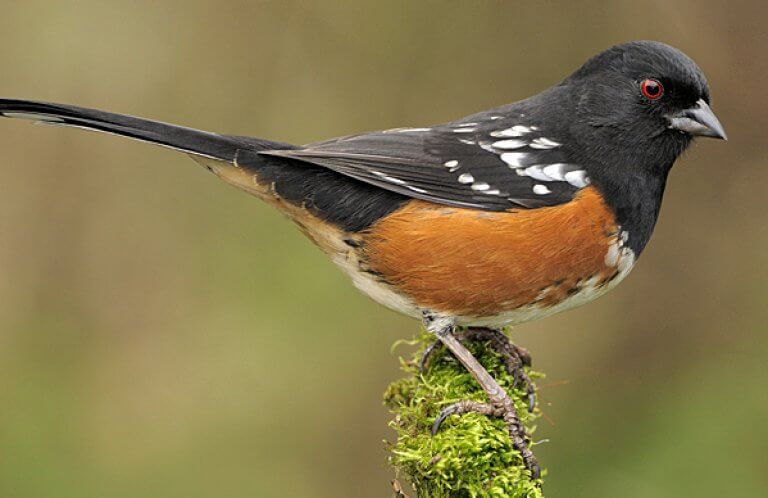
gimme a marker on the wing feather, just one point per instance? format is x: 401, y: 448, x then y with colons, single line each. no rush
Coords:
x: 487, y: 164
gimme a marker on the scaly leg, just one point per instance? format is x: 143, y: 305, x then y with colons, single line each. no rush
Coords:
x: 500, y: 405
x: 515, y: 358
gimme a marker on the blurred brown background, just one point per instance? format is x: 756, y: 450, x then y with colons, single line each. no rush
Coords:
x: 162, y: 334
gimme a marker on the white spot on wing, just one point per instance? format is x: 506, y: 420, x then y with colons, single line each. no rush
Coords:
x: 416, y: 189
x: 390, y: 179
x: 515, y: 131
x: 394, y: 180
x: 577, y: 178
x: 452, y: 165
x: 540, y: 189
x: 505, y: 133
x: 480, y: 186
x: 466, y: 178
x: 514, y: 159
x: 544, y: 143
x: 464, y: 130
x: 556, y: 171
x: 509, y: 144
x: 537, y: 173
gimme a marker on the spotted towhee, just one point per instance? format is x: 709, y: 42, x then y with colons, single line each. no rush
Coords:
x: 498, y: 218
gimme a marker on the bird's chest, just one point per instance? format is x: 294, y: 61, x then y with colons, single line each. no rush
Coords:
x: 496, y: 268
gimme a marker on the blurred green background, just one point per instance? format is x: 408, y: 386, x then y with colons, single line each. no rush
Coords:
x: 164, y: 335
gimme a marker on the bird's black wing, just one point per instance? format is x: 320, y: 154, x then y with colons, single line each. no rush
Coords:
x: 494, y: 164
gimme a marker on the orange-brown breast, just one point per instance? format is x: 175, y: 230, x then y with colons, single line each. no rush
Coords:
x: 477, y: 263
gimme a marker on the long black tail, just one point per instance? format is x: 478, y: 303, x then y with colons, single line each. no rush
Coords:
x: 338, y: 199
x: 196, y: 142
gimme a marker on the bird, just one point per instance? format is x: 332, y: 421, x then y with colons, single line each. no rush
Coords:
x: 495, y: 219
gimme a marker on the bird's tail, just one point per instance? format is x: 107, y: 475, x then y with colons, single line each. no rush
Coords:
x: 196, y: 142
x: 236, y: 160
x: 292, y: 186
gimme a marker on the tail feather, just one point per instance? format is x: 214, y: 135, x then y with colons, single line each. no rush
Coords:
x: 196, y: 142
x: 340, y: 200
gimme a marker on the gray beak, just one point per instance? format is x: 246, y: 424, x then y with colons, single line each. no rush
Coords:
x: 699, y: 120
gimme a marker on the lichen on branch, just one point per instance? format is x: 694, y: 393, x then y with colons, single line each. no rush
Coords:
x: 471, y: 455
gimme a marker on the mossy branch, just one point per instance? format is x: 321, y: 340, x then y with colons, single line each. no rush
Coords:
x: 471, y: 455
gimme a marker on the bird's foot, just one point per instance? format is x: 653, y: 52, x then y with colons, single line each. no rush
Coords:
x: 514, y: 357
x: 501, y: 406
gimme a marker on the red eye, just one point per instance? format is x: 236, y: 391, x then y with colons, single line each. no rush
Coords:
x: 652, y: 89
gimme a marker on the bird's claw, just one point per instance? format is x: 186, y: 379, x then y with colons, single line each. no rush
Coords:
x: 501, y: 407
x: 515, y: 358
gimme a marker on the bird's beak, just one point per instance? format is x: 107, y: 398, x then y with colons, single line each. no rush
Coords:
x: 699, y: 120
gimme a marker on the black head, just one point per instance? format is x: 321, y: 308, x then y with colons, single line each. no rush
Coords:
x: 640, y: 104
x: 637, y: 107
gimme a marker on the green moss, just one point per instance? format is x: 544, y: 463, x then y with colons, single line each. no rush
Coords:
x: 471, y: 455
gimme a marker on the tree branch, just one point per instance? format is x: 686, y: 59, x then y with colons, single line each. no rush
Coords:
x: 472, y: 454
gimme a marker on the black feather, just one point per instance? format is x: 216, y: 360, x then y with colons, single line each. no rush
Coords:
x: 350, y: 204
x: 189, y: 140
x: 413, y: 163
